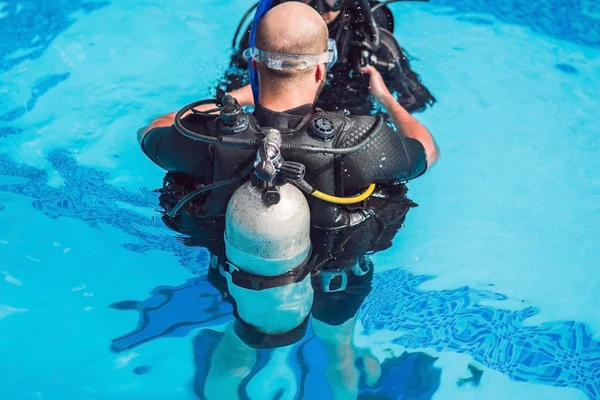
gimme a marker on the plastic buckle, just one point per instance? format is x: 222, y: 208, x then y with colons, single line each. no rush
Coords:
x: 222, y: 270
x: 358, y: 270
x: 326, y: 277
x: 214, y: 262
x: 227, y: 268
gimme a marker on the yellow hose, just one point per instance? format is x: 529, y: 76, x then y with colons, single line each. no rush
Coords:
x: 345, y: 200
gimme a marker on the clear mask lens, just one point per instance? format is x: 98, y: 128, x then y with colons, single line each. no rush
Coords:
x: 283, y: 61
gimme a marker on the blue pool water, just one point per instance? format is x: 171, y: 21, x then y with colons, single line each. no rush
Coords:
x: 489, y: 292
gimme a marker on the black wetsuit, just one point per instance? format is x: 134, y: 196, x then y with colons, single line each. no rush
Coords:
x: 345, y: 88
x: 341, y: 235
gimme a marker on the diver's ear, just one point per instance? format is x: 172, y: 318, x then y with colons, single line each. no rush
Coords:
x: 320, y: 73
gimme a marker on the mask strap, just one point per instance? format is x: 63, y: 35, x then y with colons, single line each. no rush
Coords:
x: 261, y: 10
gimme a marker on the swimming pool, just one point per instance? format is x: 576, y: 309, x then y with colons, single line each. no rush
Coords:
x: 489, y: 292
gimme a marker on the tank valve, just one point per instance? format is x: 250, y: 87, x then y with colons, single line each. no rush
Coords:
x: 268, y: 156
x: 271, y: 195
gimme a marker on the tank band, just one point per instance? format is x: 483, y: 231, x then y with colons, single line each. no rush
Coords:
x: 251, y: 281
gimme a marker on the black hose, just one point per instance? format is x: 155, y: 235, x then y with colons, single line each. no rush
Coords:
x: 239, y: 28
x: 253, y: 144
x: 385, y: 3
x: 302, y: 185
x: 220, y: 140
x: 190, y: 134
x: 206, y: 188
x: 374, y: 40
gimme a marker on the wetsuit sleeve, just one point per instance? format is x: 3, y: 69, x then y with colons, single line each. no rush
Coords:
x: 174, y: 152
x: 388, y: 158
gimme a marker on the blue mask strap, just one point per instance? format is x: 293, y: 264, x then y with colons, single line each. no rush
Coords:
x: 261, y: 10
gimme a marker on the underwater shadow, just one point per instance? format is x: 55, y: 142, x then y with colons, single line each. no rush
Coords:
x: 559, y: 353
x: 174, y: 311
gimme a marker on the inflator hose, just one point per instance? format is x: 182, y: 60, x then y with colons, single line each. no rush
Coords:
x: 345, y: 200
x: 308, y: 189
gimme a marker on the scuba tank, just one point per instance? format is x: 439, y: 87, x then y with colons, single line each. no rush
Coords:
x: 272, y: 242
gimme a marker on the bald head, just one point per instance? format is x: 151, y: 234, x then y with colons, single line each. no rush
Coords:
x: 292, y: 28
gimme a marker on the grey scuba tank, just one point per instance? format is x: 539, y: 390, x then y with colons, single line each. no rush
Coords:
x: 264, y: 245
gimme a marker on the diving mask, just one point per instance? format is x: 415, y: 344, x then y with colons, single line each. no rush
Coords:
x: 283, y: 61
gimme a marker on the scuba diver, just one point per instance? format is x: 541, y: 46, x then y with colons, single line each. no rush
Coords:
x: 290, y: 198
x: 363, y: 31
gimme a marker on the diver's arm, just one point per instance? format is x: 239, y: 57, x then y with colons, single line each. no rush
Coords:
x: 405, y: 123
x: 410, y: 127
x: 243, y: 95
x: 174, y: 152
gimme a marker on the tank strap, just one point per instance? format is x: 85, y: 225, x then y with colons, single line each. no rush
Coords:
x: 251, y: 281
